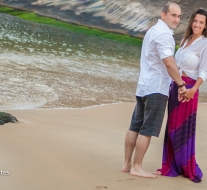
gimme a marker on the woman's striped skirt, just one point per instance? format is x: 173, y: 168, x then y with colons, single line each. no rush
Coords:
x: 179, y: 142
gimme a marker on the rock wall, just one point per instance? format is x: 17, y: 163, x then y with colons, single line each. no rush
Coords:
x: 131, y: 17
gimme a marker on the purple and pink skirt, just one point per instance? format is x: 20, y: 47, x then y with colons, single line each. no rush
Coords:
x: 179, y: 142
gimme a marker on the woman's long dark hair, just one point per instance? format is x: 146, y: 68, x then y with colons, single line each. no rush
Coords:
x: 189, y: 30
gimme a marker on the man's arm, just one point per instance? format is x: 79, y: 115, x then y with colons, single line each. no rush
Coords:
x: 173, y: 71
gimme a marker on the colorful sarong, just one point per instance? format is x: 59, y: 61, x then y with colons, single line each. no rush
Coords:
x: 179, y: 143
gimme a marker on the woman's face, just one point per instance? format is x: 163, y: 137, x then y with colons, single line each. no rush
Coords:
x: 198, y: 25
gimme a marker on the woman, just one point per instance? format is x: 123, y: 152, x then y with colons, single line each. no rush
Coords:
x: 179, y: 143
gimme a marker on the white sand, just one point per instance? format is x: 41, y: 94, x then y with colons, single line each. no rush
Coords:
x: 83, y: 149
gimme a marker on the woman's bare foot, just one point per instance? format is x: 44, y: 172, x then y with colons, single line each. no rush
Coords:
x: 157, y: 172
x: 126, y: 168
x: 142, y: 173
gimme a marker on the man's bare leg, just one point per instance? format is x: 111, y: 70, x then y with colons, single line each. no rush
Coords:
x: 142, y: 145
x: 130, y: 142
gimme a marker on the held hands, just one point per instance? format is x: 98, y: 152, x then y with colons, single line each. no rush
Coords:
x: 184, y: 95
x: 181, y: 94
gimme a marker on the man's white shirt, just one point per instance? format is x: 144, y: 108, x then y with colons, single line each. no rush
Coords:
x: 158, y: 44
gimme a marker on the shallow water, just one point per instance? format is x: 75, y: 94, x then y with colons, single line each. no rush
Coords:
x: 47, y: 67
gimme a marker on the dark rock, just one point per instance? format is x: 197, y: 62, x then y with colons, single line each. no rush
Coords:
x: 6, y: 118
x: 131, y: 17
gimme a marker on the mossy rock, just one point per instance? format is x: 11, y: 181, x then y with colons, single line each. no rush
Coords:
x: 6, y: 118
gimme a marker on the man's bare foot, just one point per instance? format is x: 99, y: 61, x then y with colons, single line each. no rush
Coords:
x: 126, y: 168
x: 157, y: 172
x: 142, y: 173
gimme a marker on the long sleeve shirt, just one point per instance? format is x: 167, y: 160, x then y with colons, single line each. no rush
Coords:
x: 193, y: 59
x: 158, y: 44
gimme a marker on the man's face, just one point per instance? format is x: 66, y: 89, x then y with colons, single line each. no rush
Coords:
x: 172, y: 18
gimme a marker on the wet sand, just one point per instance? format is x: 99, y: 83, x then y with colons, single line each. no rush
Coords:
x: 83, y: 149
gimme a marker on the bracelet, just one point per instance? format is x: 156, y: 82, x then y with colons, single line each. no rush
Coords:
x: 179, y: 86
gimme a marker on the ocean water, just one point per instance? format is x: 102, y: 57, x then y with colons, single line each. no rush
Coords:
x: 47, y: 67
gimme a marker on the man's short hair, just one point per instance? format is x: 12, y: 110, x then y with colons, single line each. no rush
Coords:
x: 165, y: 8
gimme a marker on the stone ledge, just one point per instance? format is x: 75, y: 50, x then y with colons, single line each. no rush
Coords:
x: 130, y: 17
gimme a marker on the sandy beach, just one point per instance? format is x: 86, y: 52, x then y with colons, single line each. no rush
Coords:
x: 83, y: 149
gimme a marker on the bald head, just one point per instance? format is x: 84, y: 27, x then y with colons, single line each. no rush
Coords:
x: 166, y: 8
x: 171, y: 14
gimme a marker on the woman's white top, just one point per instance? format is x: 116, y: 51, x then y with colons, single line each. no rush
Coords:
x: 193, y: 59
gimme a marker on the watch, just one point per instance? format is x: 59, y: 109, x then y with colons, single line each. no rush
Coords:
x: 179, y: 86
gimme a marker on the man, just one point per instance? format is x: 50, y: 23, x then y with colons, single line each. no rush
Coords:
x: 157, y: 68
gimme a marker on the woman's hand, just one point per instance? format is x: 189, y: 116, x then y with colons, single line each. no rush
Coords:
x: 190, y: 93
x: 184, y: 95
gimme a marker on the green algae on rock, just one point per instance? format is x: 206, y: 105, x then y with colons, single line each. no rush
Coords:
x: 6, y: 118
x: 32, y: 17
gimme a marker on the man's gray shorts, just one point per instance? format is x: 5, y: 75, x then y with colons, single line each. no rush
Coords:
x: 148, y: 114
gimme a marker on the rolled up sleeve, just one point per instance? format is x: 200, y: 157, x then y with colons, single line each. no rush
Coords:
x: 202, y: 72
x: 165, y: 45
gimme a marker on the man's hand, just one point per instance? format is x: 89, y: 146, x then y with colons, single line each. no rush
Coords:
x: 181, y: 94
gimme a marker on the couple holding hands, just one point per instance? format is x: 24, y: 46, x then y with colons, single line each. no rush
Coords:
x: 173, y: 79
